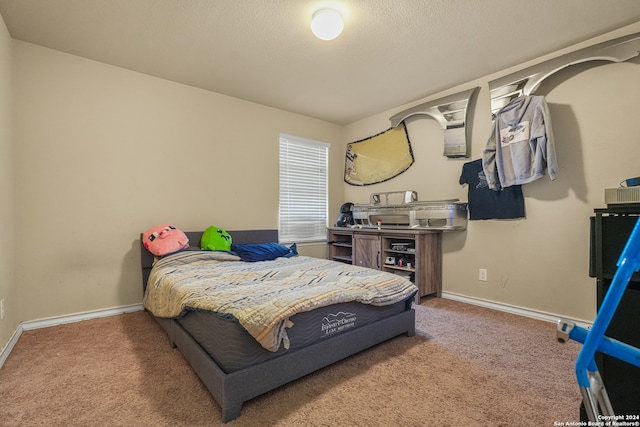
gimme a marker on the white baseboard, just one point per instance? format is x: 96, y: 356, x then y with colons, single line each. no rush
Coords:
x: 53, y: 321
x: 526, y: 312
x: 77, y: 317
x: 60, y: 320
x: 7, y: 348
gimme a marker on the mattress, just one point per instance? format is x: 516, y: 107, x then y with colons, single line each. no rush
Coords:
x: 264, y: 296
x: 233, y: 348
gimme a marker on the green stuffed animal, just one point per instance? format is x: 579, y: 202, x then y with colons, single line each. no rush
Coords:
x: 215, y: 239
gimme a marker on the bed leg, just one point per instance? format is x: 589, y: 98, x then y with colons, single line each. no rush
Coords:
x: 412, y: 327
x: 231, y: 412
x: 172, y: 344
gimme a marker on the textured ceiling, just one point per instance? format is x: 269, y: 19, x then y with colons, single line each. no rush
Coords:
x: 391, y: 51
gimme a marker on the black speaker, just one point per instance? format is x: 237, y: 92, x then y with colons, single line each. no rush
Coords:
x: 610, y: 230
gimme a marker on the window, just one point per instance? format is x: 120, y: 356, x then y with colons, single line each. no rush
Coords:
x: 303, y: 190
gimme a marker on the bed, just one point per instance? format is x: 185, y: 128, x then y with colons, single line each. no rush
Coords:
x: 235, y: 367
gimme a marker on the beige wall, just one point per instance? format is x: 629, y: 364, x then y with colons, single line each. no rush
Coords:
x: 8, y: 286
x: 540, y: 263
x: 104, y: 153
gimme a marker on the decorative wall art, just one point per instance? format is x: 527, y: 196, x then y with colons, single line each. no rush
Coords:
x: 451, y: 112
x: 379, y: 157
x: 526, y: 82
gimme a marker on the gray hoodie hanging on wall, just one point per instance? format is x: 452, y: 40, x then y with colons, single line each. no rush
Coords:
x: 521, y: 146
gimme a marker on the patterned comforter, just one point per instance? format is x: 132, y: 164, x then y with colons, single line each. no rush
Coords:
x: 262, y: 296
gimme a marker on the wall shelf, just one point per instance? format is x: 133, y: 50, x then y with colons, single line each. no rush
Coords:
x: 526, y: 81
x: 451, y: 113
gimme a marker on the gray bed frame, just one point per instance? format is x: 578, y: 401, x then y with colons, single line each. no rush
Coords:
x: 231, y: 390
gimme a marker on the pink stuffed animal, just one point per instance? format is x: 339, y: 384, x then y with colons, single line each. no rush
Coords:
x: 164, y: 239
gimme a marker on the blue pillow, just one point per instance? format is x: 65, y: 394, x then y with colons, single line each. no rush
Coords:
x: 252, y: 252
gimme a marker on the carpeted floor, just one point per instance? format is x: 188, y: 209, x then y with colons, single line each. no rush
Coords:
x: 466, y: 366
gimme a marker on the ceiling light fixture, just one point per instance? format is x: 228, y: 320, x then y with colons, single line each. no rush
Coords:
x: 326, y: 24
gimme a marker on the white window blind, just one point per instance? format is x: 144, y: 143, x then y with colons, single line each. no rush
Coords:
x: 303, y: 190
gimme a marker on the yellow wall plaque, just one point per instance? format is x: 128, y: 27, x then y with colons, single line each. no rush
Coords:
x: 379, y: 157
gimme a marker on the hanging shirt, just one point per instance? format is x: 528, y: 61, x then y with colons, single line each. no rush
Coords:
x: 521, y: 145
x: 485, y: 203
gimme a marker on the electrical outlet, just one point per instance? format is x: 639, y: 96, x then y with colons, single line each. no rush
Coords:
x: 482, y: 274
x: 2, y: 309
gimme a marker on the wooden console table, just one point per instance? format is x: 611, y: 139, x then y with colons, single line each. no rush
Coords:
x: 416, y: 254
